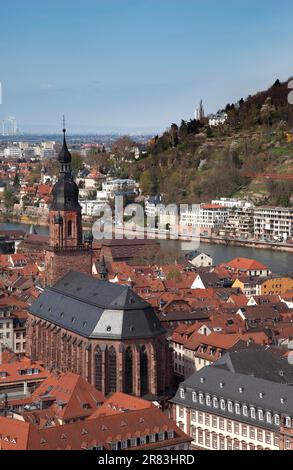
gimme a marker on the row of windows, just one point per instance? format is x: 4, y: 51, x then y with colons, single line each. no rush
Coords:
x: 232, y: 427
x: 237, y: 408
x: 207, y: 439
x: 143, y: 440
x: 111, y: 370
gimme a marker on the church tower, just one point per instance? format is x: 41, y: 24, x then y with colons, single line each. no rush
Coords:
x: 66, y: 250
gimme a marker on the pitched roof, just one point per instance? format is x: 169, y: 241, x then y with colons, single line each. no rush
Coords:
x: 77, y: 396
x: 101, y: 430
x: 13, y: 371
x: 246, y: 264
x: 259, y: 392
x: 121, y: 402
x: 263, y: 362
x: 97, y: 309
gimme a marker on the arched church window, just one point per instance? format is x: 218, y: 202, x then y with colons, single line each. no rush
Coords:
x: 98, y: 369
x: 112, y: 370
x: 128, y: 370
x: 144, y: 371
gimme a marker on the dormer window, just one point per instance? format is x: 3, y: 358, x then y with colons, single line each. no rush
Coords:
x: 223, y: 404
x: 260, y: 415
x: 230, y: 406
x: 252, y: 413
x: 215, y: 402
x: 194, y: 396
x: 208, y: 400
x: 245, y: 410
x: 182, y: 393
x: 133, y: 442
x: 269, y: 417
x: 200, y: 398
x: 277, y: 420
x: 237, y: 408
x: 288, y: 422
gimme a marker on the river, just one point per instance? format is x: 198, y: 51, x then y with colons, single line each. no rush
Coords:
x: 278, y: 262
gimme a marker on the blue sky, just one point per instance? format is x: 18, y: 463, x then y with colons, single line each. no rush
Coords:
x: 136, y: 65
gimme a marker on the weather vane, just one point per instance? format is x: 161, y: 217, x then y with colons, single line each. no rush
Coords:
x: 64, y: 129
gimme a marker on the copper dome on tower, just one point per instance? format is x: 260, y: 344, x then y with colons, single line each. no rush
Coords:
x: 65, y: 192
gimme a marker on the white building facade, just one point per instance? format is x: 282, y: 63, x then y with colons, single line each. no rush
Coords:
x: 208, y: 217
x: 273, y: 223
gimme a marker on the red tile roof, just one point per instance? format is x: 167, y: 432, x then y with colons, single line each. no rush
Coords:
x: 13, y: 371
x: 101, y: 431
x: 78, y: 397
x: 246, y: 264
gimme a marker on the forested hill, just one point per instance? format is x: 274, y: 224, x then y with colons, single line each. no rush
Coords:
x: 193, y: 162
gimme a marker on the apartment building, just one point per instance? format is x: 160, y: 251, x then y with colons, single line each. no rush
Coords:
x: 225, y: 410
x: 94, y: 206
x: 196, y: 346
x: 240, y: 223
x: 159, y: 215
x: 12, y: 152
x: 209, y: 218
x: 114, y: 186
x: 232, y: 203
x: 273, y: 223
x: 6, y: 328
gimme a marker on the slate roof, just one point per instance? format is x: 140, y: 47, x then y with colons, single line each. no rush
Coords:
x: 258, y: 362
x: 261, y: 393
x: 97, y: 309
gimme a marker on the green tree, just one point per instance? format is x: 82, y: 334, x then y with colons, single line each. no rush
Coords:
x: 16, y: 183
x: 35, y: 174
x: 76, y: 162
x: 8, y: 199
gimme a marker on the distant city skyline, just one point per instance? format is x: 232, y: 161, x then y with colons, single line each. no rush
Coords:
x: 136, y: 66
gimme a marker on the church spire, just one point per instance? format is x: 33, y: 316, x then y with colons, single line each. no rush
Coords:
x: 64, y: 156
x: 65, y: 191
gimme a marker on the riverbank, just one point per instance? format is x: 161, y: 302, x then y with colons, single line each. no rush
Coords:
x: 10, y: 219
x: 214, y: 240
x: 37, y: 222
x: 255, y: 244
x: 278, y: 261
x: 283, y: 247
